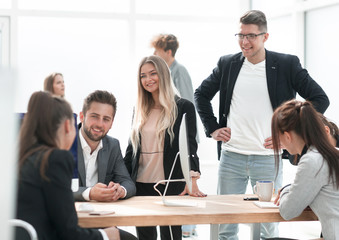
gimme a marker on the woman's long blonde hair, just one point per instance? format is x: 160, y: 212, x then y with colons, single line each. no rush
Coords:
x: 145, y: 103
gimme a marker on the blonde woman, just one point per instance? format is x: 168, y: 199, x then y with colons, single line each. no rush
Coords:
x: 154, y: 140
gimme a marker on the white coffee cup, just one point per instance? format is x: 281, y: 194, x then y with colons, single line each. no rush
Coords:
x: 264, y: 190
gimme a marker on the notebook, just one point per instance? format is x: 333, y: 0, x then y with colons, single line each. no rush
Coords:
x: 265, y: 204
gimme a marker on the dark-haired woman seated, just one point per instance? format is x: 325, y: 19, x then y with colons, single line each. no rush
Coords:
x: 298, y: 127
x: 45, y: 199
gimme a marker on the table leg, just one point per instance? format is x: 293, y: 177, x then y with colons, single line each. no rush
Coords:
x: 255, y: 231
x: 214, y: 231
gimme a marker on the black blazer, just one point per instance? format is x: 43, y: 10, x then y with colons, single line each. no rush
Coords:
x: 285, y: 78
x: 170, y: 150
x: 49, y: 205
x: 111, y: 167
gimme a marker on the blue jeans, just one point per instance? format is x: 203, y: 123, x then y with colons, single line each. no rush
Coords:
x: 235, y: 170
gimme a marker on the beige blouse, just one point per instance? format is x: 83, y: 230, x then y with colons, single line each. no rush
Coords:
x: 151, y: 165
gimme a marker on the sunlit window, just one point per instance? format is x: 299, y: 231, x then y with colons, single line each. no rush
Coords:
x: 322, y: 53
x: 5, y: 4
x: 282, y: 35
x: 76, y: 5
x: 272, y: 5
x: 4, y: 41
x: 189, y: 7
x: 1, y: 54
x: 102, y: 51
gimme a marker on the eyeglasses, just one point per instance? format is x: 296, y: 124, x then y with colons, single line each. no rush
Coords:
x: 250, y: 36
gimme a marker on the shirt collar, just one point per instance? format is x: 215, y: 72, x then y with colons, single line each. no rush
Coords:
x: 255, y: 66
x: 304, y: 151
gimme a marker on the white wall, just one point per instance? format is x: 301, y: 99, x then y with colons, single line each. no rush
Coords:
x: 8, y: 153
x: 322, y: 53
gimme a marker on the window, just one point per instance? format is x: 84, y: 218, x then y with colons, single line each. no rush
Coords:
x: 219, y: 8
x: 4, y: 41
x: 321, y: 53
x: 76, y: 5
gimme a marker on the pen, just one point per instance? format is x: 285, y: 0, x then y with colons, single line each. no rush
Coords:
x: 251, y: 199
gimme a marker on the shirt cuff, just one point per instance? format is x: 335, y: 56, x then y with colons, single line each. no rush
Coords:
x: 104, y: 235
x: 194, y: 174
x: 125, y: 191
x: 85, y: 194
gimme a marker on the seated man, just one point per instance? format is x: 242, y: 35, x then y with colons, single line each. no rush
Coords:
x: 102, y: 172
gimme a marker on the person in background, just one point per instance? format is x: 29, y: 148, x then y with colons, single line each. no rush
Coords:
x: 45, y: 198
x: 296, y: 125
x: 101, y: 169
x: 154, y: 140
x: 331, y: 129
x: 252, y: 83
x: 166, y: 46
x: 54, y: 83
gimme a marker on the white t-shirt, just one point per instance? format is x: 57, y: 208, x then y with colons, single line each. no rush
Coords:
x: 250, y: 112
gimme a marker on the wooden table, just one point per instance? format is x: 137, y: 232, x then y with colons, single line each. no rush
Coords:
x: 214, y: 210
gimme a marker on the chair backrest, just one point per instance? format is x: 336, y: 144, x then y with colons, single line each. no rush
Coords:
x: 28, y: 227
x: 74, y: 148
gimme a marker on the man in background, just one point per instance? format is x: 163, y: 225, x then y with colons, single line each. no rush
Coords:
x: 165, y: 46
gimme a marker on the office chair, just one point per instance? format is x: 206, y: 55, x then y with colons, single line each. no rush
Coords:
x: 28, y: 227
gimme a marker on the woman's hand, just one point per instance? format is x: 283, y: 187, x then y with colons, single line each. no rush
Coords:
x: 195, y: 190
x: 277, y: 198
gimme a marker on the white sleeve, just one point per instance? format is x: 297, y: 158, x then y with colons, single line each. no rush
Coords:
x: 85, y: 194
x: 125, y: 191
x: 311, y: 176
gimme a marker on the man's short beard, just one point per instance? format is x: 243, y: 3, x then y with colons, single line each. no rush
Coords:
x: 91, y: 137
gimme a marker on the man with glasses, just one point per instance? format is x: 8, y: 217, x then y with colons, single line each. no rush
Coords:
x: 252, y: 84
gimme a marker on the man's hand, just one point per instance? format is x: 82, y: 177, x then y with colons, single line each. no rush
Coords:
x: 119, y: 192
x: 106, y: 193
x: 269, y: 144
x: 112, y: 233
x: 102, y: 193
x: 277, y: 198
x: 222, y: 134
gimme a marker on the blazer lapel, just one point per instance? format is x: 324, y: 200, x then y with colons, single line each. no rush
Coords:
x: 272, y: 77
x: 234, y: 70
x: 166, y: 142
x: 102, y: 160
x: 81, y: 165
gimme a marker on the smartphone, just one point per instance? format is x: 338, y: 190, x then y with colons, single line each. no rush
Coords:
x: 251, y: 199
x: 101, y: 213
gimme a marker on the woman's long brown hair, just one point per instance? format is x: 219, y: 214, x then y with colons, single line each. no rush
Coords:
x: 303, y: 119
x: 38, y: 132
x: 49, y: 80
